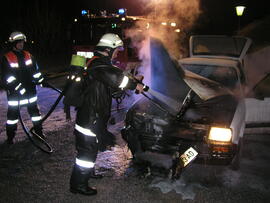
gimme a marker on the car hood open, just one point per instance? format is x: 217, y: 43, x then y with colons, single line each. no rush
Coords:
x: 170, y: 80
x: 214, y: 102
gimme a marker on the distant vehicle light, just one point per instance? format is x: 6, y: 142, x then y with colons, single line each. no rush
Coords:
x: 121, y: 11
x: 123, y: 19
x: 217, y: 134
x: 163, y: 23
x: 75, y: 20
x: 84, y: 12
x: 86, y: 54
x: 177, y: 30
x: 173, y: 24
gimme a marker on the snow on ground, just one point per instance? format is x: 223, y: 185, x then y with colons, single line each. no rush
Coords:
x: 253, y: 175
x: 46, y: 98
x: 257, y: 110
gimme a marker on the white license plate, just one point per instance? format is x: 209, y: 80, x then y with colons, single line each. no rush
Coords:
x: 188, y: 156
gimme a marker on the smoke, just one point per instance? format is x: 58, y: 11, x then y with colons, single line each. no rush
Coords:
x: 168, y: 21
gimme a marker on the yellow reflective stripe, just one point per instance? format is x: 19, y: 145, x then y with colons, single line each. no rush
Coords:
x: 124, y: 82
x: 22, y: 91
x: 84, y: 131
x: 13, y: 103
x: 24, y: 101
x: 86, y: 164
x: 36, y: 118
x: 14, y: 65
x: 12, y: 122
x: 18, y: 86
x: 37, y: 75
x: 28, y: 62
x: 33, y: 99
x: 11, y: 79
x: 41, y: 80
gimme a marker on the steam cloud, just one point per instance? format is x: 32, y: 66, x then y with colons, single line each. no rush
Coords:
x: 183, y: 13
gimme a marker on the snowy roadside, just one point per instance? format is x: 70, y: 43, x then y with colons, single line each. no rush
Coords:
x: 28, y: 175
x: 46, y: 98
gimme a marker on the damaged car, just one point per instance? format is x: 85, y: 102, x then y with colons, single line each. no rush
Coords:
x: 194, y: 110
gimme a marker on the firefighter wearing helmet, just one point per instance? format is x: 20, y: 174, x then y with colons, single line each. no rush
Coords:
x: 20, y: 75
x: 103, y: 79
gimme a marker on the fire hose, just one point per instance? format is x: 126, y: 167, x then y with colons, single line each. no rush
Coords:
x: 42, y: 144
x: 36, y: 139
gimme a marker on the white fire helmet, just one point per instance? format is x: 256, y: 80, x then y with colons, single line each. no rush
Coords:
x: 110, y: 40
x: 15, y: 36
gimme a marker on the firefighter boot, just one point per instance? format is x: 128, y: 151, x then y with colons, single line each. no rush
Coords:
x: 79, y: 181
x: 11, y: 131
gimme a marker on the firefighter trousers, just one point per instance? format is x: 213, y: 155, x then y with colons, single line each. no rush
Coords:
x: 13, y: 115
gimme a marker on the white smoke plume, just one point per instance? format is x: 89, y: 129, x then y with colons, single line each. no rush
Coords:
x: 167, y: 20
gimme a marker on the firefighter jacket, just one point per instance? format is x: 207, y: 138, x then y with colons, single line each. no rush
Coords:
x: 20, y: 71
x: 104, y: 80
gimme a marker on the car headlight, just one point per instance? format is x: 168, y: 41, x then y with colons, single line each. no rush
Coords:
x: 217, y: 134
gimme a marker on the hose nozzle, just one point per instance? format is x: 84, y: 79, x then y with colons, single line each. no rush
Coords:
x: 145, y: 87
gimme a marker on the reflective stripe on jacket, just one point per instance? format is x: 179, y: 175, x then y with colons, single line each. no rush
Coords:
x: 13, y: 60
x: 20, y: 70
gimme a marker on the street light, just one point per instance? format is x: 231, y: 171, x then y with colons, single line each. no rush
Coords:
x: 239, y: 12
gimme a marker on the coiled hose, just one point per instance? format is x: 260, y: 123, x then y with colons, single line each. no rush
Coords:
x: 36, y: 139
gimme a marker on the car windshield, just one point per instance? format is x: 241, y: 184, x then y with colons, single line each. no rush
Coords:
x: 226, y: 76
x: 218, y: 45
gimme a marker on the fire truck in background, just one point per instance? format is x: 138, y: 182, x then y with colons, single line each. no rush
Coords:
x: 87, y: 30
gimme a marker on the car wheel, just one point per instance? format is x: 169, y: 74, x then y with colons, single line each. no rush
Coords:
x: 235, y: 164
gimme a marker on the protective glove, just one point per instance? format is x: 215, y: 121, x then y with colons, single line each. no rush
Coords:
x: 141, y: 87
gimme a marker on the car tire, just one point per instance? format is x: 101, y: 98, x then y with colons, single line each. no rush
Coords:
x: 235, y: 164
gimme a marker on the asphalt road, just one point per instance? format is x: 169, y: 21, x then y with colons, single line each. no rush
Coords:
x: 29, y: 175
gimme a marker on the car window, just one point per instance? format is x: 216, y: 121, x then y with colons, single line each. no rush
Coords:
x: 226, y: 76
x: 218, y: 45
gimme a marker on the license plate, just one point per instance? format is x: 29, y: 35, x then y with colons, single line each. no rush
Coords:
x: 188, y: 156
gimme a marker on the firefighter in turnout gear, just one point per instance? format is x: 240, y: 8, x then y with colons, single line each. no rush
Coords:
x: 103, y: 79
x: 20, y: 75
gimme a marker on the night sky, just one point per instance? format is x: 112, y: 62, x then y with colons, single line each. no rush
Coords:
x: 217, y: 15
